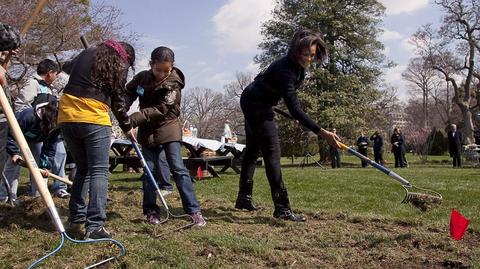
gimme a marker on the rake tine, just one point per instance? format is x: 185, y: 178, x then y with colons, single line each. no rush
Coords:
x: 123, y: 251
x: 183, y: 227
x: 64, y: 236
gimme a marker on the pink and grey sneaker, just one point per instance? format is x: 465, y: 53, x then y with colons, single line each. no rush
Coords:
x: 198, y: 219
x: 153, y: 218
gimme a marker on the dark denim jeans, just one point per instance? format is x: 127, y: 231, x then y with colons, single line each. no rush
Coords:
x: 180, y: 174
x: 3, y: 144
x: 161, y: 171
x: 89, y: 145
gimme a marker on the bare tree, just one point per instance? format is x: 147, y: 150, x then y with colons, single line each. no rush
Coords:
x: 206, y: 109
x: 233, y: 91
x: 443, y: 103
x: 386, y: 106
x: 451, y: 51
x: 424, y: 81
x: 57, y: 30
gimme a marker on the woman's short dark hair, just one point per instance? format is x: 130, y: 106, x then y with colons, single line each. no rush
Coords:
x: 46, y: 66
x: 110, y: 70
x: 302, y: 40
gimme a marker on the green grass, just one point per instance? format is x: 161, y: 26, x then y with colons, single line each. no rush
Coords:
x: 355, y: 217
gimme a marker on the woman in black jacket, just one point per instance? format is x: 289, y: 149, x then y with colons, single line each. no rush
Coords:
x: 279, y: 81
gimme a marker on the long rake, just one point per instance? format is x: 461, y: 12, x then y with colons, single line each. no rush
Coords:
x: 38, y: 179
x: 419, y: 197
x: 153, y: 183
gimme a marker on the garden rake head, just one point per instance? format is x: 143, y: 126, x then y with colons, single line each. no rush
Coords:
x: 421, y: 198
x: 153, y: 183
x: 418, y: 197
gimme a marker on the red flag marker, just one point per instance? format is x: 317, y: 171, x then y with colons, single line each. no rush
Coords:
x: 458, y: 225
x: 199, y: 173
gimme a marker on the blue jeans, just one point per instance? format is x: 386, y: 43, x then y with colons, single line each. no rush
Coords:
x: 3, y: 144
x: 12, y: 173
x: 89, y: 145
x: 161, y: 171
x: 58, y: 166
x: 180, y: 174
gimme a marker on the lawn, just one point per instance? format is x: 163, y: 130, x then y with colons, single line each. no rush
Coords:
x: 355, y: 220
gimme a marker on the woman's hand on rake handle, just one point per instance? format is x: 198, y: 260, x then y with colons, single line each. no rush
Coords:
x: 331, y: 138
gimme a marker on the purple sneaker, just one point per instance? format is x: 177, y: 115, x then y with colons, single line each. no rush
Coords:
x: 198, y: 219
x: 153, y: 218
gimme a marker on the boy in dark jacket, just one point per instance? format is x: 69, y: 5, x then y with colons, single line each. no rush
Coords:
x: 159, y: 92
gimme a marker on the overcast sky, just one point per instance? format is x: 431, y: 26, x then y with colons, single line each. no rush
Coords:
x: 215, y: 39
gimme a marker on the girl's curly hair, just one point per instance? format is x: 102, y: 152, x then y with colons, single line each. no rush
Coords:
x: 110, y: 70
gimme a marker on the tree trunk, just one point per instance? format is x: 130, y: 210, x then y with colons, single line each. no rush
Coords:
x: 467, y: 120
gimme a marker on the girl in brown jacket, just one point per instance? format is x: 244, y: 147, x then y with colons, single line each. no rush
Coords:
x: 159, y: 93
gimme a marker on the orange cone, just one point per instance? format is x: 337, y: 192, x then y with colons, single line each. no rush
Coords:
x: 199, y: 173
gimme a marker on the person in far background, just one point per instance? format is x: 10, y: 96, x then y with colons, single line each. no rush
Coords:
x: 335, y: 153
x: 397, y: 142
x: 455, y: 139
x: 377, y: 147
x: 362, y: 144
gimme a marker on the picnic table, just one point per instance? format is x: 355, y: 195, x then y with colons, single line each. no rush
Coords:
x: 197, y: 146
x: 228, y: 155
x: 123, y: 151
x: 235, y: 150
x: 472, y: 154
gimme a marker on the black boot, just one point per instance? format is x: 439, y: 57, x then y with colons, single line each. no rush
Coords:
x: 282, y: 207
x: 245, y: 202
x: 244, y: 198
x: 289, y: 215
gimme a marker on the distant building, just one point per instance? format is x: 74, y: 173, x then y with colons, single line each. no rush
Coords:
x: 399, y: 119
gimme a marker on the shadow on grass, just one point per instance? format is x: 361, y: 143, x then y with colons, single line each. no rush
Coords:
x: 230, y: 215
x: 30, y: 214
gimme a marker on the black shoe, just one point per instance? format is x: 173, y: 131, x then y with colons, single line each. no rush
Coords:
x: 245, y: 202
x: 75, y: 230
x: 98, y: 233
x: 289, y: 215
